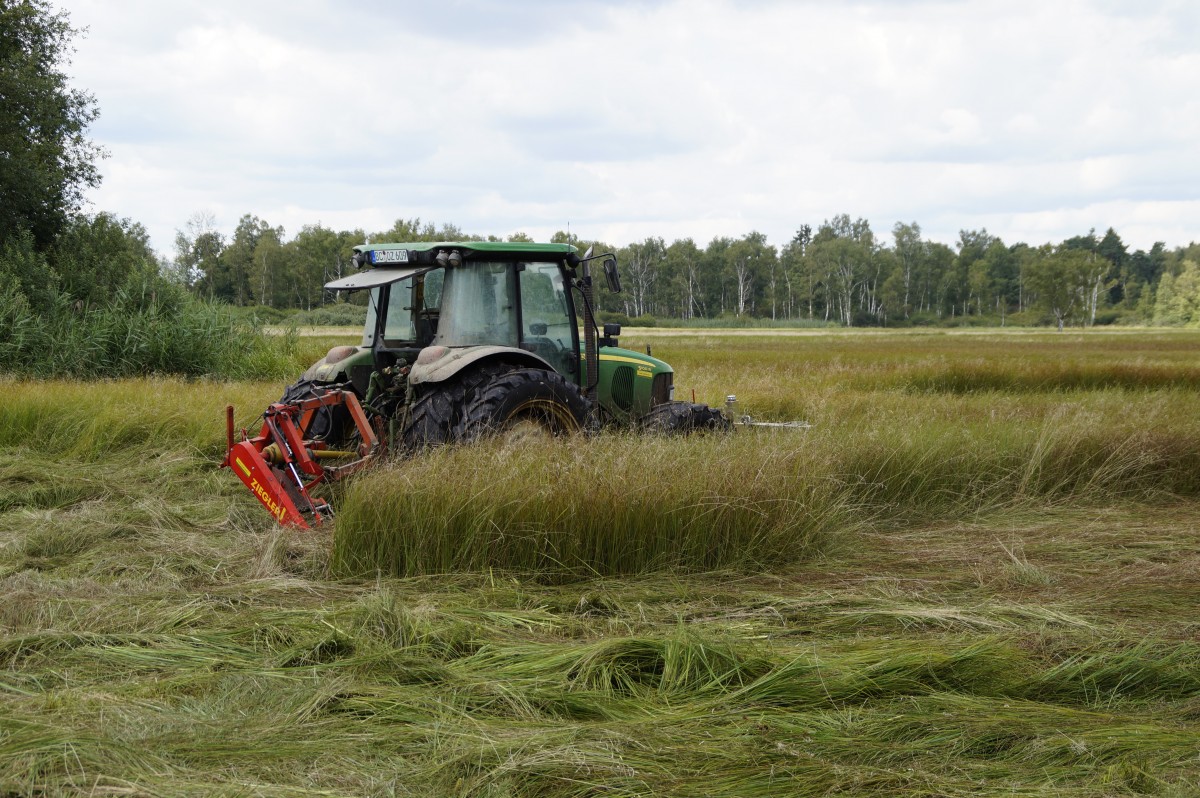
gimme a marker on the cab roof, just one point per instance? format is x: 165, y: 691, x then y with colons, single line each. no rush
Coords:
x: 507, y: 247
x: 389, y: 262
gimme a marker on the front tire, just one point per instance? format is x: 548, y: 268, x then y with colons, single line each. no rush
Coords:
x: 681, y: 418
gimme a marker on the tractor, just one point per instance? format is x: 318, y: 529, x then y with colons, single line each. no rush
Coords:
x: 461, y: 340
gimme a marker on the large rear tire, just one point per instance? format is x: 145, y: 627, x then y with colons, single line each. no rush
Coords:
x: 681, y: 418
x: 523, y: 400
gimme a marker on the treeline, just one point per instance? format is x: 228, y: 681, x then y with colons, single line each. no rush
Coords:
x: 257, y: 265
x: 844, y: 273
x: 840, y: 273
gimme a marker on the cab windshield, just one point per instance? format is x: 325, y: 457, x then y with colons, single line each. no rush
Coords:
x: 412, y: 307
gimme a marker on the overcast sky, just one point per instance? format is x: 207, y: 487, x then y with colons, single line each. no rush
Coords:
x: 1037, y: 120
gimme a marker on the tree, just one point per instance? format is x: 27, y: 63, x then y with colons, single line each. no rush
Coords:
x: 747, y: 259
x: 845, y: 252
x: 247, y: 281
x: 1113, y: 249
x: 27, y: 283
x: 273, y: 284
x: 1098, y: 283
x: 970, y: 280
x: 683, y: 266
x: 1000, y: 289
x: 198, y: 257
x: 910, y: 252
x: 317, y: 255
x: 887, y: 297
x: 712, y: 266
x: 1087, y: 243
x: 798, y: 269
x: 1023, y: 255
x: 643, y: 263
x: 936, y: 277
x: 96, y: 257
x: 416, y: 230
x: 1178, y: 300
x: 46, y: 160
x: 1061, y: 280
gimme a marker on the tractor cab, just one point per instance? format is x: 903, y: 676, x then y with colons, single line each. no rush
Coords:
x: 443, y: 311
x: 454, y: 296
x: 518, y: 304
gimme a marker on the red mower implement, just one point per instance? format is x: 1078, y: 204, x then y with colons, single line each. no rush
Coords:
x: 284, y: 462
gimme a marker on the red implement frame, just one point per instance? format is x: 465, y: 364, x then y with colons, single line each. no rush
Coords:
x: 280, y: 465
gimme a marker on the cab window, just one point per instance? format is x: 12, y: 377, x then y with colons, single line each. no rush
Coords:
x: 398, y: 326
x: 546, y: 325
x: 479, y: 305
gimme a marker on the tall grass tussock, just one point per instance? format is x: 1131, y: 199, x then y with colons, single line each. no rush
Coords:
x: 575, y: 507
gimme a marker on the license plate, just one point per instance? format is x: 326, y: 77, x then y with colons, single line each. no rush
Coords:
x: 389, y: 256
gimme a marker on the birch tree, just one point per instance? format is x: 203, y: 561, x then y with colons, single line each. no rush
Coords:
x: 643, y: 264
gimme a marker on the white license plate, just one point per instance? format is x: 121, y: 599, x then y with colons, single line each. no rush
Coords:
x: 389, y: 256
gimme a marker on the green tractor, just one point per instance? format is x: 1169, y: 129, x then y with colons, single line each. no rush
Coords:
x: 461, y: 340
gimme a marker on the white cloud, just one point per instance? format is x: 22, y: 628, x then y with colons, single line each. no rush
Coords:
x: 651, y: 118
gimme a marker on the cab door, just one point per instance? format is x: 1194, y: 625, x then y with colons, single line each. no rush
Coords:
x: 547, y: 327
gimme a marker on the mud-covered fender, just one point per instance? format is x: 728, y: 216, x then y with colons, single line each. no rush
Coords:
x: 335, y: 366
x: 438, y: 363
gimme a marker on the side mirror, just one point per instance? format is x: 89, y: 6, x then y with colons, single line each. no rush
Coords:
x: 611, y: 274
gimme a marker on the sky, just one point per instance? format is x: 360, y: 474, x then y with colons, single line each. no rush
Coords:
x: 621, y: 120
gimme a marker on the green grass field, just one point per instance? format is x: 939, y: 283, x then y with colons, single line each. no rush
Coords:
x: 976, y: 574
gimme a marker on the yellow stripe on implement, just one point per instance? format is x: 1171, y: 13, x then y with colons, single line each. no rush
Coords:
x: 242, y: 466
